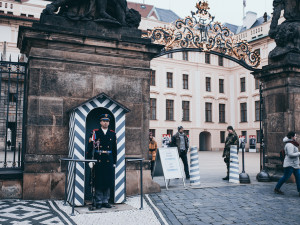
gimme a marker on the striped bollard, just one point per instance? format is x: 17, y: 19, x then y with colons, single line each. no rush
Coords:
x: 234, y: 165
x: 194, y: 167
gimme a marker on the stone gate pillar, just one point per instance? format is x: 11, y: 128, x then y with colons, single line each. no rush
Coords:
x: 68, y: 63
x: 281, y: 81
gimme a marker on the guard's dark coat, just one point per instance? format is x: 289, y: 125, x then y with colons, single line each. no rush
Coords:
x: 104, y: 170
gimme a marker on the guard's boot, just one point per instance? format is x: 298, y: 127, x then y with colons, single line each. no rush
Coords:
x: 92, y: 208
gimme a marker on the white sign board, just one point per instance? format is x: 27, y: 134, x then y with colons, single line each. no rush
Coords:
x: 170, y: 163
x: 167, y: 164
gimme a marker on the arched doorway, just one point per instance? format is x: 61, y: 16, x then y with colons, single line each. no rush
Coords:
x: 204, y: 141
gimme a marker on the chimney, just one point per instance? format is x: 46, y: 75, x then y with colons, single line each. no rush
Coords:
x: 265, y: 17
x: 249, y: 19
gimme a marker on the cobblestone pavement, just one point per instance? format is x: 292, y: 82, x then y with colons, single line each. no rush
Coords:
x: 241, y: 204
x: 19, y: 212
x: 32, y: 212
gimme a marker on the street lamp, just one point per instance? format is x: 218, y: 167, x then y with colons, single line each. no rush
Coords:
x: 263, y: 175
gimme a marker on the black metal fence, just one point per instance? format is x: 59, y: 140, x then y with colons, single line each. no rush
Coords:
x: 12, y: 113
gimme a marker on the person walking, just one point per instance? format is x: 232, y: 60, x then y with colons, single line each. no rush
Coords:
x: 231, y: 139
x: 103, y: 145
x: 180, y: 140
x: 291, y: 162
x: 152, y: 150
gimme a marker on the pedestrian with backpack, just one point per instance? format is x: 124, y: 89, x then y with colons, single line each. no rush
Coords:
x: 291, y: 162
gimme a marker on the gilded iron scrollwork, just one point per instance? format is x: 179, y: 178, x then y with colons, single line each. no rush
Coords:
x: 199, y: 31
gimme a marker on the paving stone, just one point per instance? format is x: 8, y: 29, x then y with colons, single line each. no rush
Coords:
x: 241, y: 204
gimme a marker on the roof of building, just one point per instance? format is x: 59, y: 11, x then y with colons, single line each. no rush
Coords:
x: 166, y: 15
x: 238, y: 29
x: 233, y: 28
x: 143, y: 9
x: 260, y: 21
x: 147, y: 11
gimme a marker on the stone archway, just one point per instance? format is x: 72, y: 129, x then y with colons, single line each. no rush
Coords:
x: 205, y: 141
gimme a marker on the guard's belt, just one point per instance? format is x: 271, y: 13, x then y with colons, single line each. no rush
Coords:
x: 103, y: 151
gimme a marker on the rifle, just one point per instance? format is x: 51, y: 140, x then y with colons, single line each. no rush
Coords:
x: 92, y: 181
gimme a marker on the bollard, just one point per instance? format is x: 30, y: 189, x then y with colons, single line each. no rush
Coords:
x: 234, y: 165
x: 194, y: 167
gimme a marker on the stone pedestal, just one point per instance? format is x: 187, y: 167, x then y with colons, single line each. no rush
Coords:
x: 69, y: 63
x: 281, y: 93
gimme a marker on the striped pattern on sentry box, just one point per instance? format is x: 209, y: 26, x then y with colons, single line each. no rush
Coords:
x: 234, y: 165
x: 77, y: 148
x: 194, y: 167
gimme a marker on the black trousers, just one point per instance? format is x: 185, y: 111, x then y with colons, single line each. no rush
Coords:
x: 227, y: 161
x: 184, y: 159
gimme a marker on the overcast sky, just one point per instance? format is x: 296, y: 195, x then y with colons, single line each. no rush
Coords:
x: 230, y: 11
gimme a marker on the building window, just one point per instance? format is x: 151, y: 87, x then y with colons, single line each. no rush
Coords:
x: 187, y: 132
x: 152, y: 78
x: 22, y: 14
x: 169, y: 109
x: 222, y: 113
x: 170, y: 56
x: 208, y: 112
x: 257, y: 110
x: 221, y: 61
x: 185, y: 110
x: 12, y: 97
x: 10, y: 13
x: 243, y: 112
x: 258, y: 136
x: 208, y: 86
x: 244, y: 133
x: 5, y: 5
x: 222, y: 136
x: 256, y: 84
x: 243, y: 84
x: 207, y: 58
x: 153, y: 108
x: 11, y: 6
x: 30, y: 15
x: 221, y: 85
x: 0, y: 4
x: 170, y: 132
x: 185, y: 55
x: 152, y: 131
x: 185, y: 81
x: 169, y: 80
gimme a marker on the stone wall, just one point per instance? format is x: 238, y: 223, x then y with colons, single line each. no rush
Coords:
x: 67, y: 67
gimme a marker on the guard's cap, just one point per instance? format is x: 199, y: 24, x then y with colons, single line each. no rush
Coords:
x: 180, y: 127
x: 105, y: 117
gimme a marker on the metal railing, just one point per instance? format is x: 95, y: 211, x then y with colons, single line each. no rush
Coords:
x: 75, y: 161
x: 13, y: 77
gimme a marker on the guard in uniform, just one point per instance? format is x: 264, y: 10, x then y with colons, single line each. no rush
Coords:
x: 103, y: 145
x: 231, y: 139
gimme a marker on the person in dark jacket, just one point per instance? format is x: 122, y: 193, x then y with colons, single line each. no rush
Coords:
x: 103, y: 146
x: 231, y: 139
x: 180, y: 140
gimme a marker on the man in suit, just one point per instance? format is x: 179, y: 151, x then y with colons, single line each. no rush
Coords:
x: 103, y: 145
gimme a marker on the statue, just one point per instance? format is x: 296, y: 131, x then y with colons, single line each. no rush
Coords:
x: 101, y: 11
x: 287, y: 34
